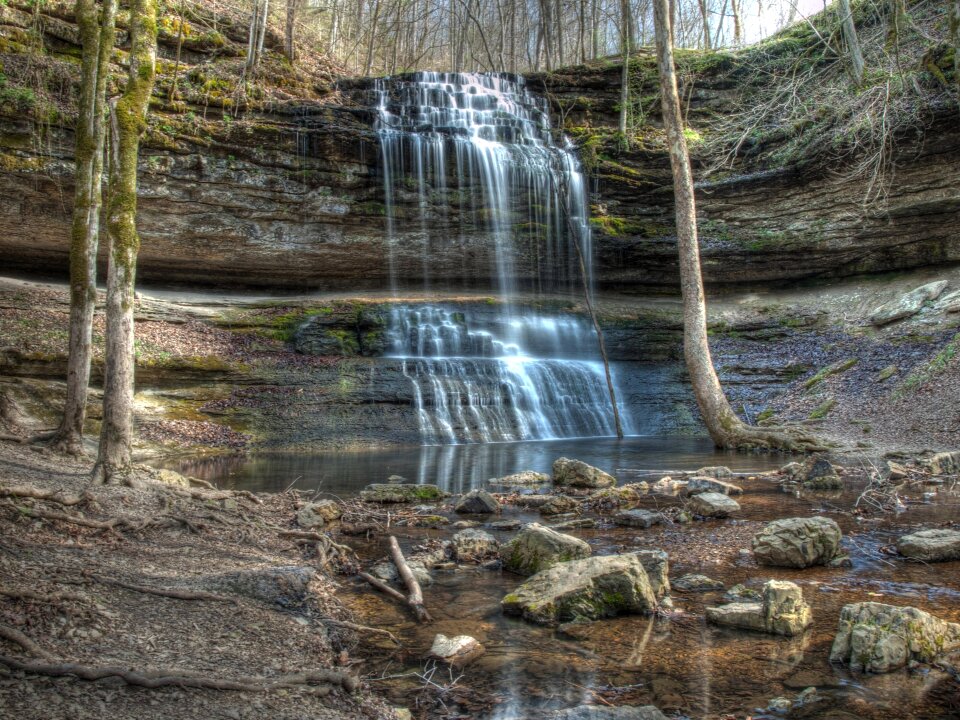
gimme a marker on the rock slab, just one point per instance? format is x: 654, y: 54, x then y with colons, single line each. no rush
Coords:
x: 637, y: 518
x: 587, y: 589
x: 473, y: 545
x: 781, y: 611
x: 938, y: 545
x: 797, y: 542
x: 712, y: 505
x: 908, y: 304
x: 400, y: 493
x: 457, y: 651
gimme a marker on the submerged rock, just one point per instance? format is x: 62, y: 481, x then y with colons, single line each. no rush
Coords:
x: 577, y: 473
x: 741, y: 593
x: 537, y: 548
x: 474, y: 545
x: 319, y: 513
x: 598, y: 712
x: 797, y: 542
x: 907, y: 305
x: 781, y: 611
x: 874, y: 637
x: 477, y: 502
x: 527, y: 477
x: 938, y: 545
x: 637, y: 518
x: 712, y: 505
x: 703, y: 483
x: 575, y: 524
x: 717, y: 472
x: 820, y: 474
x: 697, y: 583
x: 558, y: 505
x: 456, y: 651
x: 505, y: 525
x: 401, y: 493
x: 587, y: 589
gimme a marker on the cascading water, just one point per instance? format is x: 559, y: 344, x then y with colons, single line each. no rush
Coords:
x: 482, y: 144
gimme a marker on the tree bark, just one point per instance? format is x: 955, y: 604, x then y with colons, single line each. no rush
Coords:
x: 290, y: 30
x: 737, y: 26
x: 705, y: 15
x: 725, y: 428
x: 128, y: 121
x: 853, y: 42
x: 97, y: 34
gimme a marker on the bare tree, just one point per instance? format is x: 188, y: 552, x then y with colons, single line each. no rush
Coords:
x: 853, y: 42
x: 97, y: 32
x: 127, y: 123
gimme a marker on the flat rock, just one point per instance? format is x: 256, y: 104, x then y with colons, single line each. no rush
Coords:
x: 577, y: 473
x: 531, y: 501
x: 781, y: 611
x: 505, y: 525
x: 400, y: 493
x: 938, y: 545
x: 477, y: 502
x: 456, y: 651
x: 537, y: 548
x: 318, y: 514
x: 875, y: 637
x: 527, y: 477
x: 712, y: 505
x: 638, y: 518
x: 741, y: 593
x: 697, y: 583
x: 599, y: 712
x: 717, y: 472
x: 704, y: 483
x: 558, y: 505
x: 575, y: 524
x: 797, y: 542
x: 587, y: 589
x: 908, y: 304
x: 474, y: 545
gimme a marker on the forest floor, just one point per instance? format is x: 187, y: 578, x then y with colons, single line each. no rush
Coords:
x: 87, y: 577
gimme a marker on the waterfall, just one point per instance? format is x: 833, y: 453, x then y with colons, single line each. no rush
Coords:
x: 480, y: 146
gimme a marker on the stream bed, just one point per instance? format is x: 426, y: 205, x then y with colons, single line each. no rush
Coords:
x: 676, y: 662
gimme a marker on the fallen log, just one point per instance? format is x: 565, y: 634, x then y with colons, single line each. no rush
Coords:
x: 415, y: 597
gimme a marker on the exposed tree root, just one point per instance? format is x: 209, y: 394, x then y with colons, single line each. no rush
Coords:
x: 784, y: 437
x: 17, y: 637
x: 165, y: 592
x: 361, y: 628
x: 57, y: 496
x: 30, y: 595
x: 114, y: 525
x: 181, y: 678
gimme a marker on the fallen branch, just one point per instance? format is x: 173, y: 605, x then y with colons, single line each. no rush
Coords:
x: 181, y: 678
x: 383, y: 587
x: 415, y: 598
x: 361, y: 628
x: 57, y: 496
x: 17, y: 637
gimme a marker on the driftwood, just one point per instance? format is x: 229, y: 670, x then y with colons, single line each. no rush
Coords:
x: 415, y: 597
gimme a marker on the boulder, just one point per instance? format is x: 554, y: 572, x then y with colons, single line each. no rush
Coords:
x: 576, y: 473
x: 456, y: 651
x: 704, y: 483
x: 741, y: 593
x: 667, y: 486
x: 907, y: 305
x: 537, y: 548
x: 712, y: 505
x: 473, y: 545
x: 532, y: 501
x: 931, y: 545
x: 505, y: 525
x: 599, y: 712
x: 319, y: 513
x: 527, y: 477
x: 587, y: 589
x: 401, y: 493
x: 797, y: 542
x: 718, y: 472
x: 945, y: 463
x: 575, y: 524
x: 874, y: 637
x: 657, y: 565
x: 477, y: 502
x: 637, y: 518
x: 781, y: 611
x: 558, y: 505
x: 697, y: 583
x: 895, y: 471
x: 820, y: 474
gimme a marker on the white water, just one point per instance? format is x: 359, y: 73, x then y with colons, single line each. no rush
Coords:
x: 502, y: 373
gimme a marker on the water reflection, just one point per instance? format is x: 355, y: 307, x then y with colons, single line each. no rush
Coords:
x: 457, y: 468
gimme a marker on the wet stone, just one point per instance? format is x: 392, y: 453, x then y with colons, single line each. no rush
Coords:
x: 820, y: 474
x: 536, y: 548
x: 477, y: 502
x: 637, y: 518
x: 474, y: 545
x: 712, y: 505
x: 797, y: 542
x: 938, y: 545
x: 702, y: 483
x: 577, y: 473
x: 598, y: 712
x: 558, y: 505
x: 400, y: 493
x: 781, y: 611
x: 697, y: 583
x: 575, y: 524
x: 456, y: 651
x: 527, y: 477
x: 505, y: 525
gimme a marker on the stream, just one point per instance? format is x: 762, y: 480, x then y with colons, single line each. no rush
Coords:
x: 676, y: 662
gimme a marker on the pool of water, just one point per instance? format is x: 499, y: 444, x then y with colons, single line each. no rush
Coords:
x: 457, y: 468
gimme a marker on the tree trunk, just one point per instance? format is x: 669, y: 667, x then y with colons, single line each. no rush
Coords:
x: 289, y: 35
x: 705, y: 15
x: 251, y: 63
x: 626, y: 34
x: 737, y: 26
x: 128, y: 121
x: 97, y: 34
x: 373, y: 37
x: 954, y: 39
x: 853, y: 42
x: 725, y: 428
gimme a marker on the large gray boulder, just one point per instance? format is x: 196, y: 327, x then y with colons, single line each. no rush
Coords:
x: 599, y: 712
x: 537, y: 548
x: 638, y: 518
x: 657, y: 565
x: 781, y: 611
x: 712, y: 505
x: 908, y: 304
x: 473, y: 545
x: 944, y: 463
x: 577, y: 473
x: 937, y: 545
x: 477, y: 502
x: 874, y: 637
x: 319, y: 513
x: 797, y: 542
x: 401, y: 493
x: 586, y: 589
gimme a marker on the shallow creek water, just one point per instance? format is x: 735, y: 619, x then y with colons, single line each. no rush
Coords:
x: 679, y: 663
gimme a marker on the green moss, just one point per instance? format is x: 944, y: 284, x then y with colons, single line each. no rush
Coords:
x: 887, y: 373
x: 922, y: 375
x: 826, y: 372
x: 823, y: 409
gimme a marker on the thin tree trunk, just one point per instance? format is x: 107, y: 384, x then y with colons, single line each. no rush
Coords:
x: 853, y: 42
x: 725, y: 428
x: 176, y: 67
x: 263, y: 29
x: 626, y: 36
x: 954, y: 25
x: 128, y: 121
x: 251, y: 63
x: 97, y: 34
x: 705, y: 15
x: 290, y: 29
x: 737, y: 26
x: 373, y: 36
